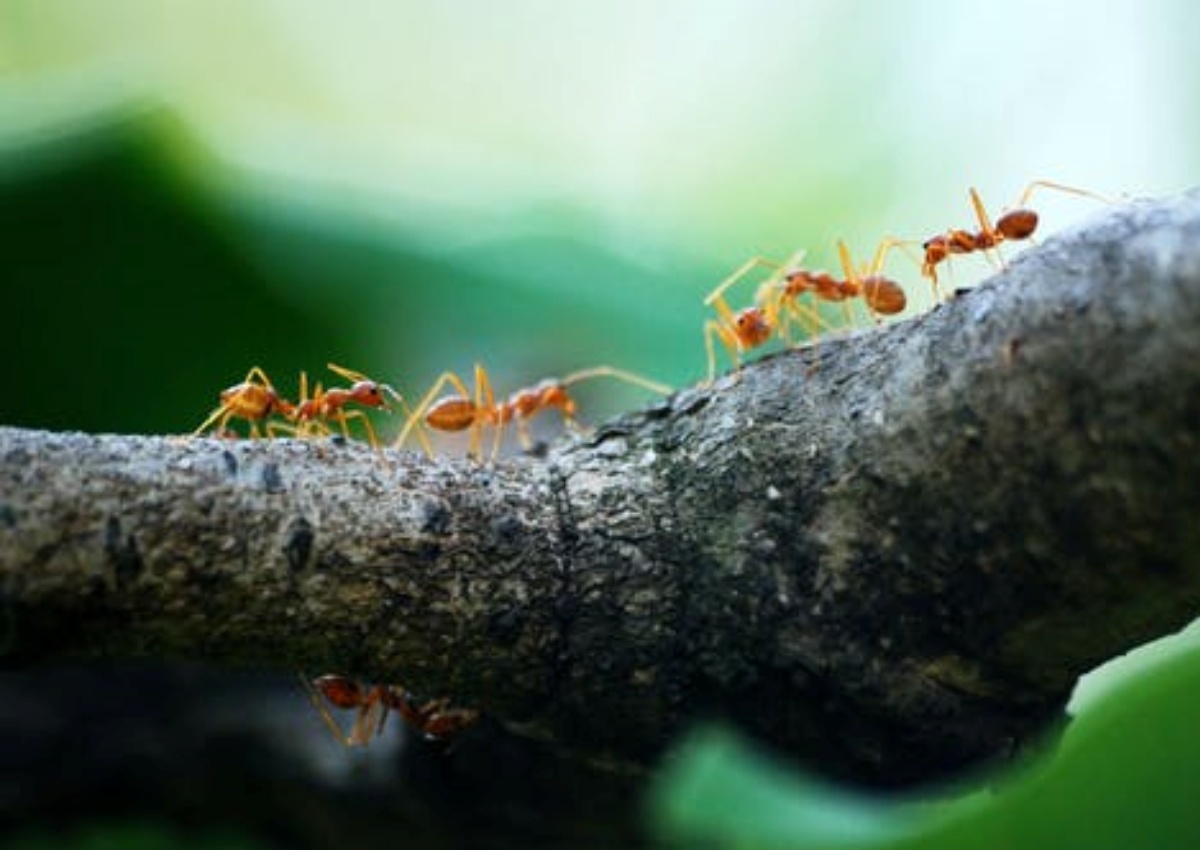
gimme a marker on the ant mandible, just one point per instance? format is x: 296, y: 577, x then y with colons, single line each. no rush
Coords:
x: 254, y: 399
x: 435, y: 719
x: 467, y: 411
x: 1017, y: 224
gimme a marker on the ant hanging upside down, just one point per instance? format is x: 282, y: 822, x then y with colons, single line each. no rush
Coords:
x: 435, y: 720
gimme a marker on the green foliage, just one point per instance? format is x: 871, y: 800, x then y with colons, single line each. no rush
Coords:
x: 1125, y: 774
x: 132, y: 835
x: 140, y: 279
x: 129, y: 304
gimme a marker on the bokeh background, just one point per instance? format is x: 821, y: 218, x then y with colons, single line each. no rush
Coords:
x: 187, y: 190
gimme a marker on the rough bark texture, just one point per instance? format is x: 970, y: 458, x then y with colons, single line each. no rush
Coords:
x: 891, y: 554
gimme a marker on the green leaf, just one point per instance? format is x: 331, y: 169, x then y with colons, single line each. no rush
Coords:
x: 1125, y: 774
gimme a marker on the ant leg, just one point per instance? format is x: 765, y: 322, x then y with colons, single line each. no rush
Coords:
x: 725, y: 317
x: 344, y: 417
x: 385, y: 707
x: 349, y: 374
x: 906, y: 246
x: 303, y: 388
x: 808, y: 318
x: 274, y: 429
x: 603, y: 371
x: 1059, y: 187
x: 427, y: 400
x: 485, y: 403
x: 722, y: 326
x: 981, y: 216
x: 721, y: 332
x: 222, y: 414
x: 257, y: 372
x: 989, y: 237
x: 884, y: 247
x: 323, y: 711
x: 853, y: 278
x: 741, y: 271
x: 883, y: 293
x: 370, y: 718
x: 407, y: 411
x: 606, y: 371
x: 792, y: 262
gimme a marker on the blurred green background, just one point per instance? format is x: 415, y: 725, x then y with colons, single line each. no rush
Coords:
x: 187, y: 190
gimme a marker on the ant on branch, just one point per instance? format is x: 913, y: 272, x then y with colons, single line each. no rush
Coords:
x: 435, y: 719
x: 757, y: 324
x: 467, y: 411
x: 254, y: 399
x: 1015, y: 225
x: 312, y: 415
x: 777, y: 302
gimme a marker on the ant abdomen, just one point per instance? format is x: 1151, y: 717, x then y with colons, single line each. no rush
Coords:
x: 1017, y: 224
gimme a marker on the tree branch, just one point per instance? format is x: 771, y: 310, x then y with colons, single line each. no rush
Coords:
x: 892, y: 553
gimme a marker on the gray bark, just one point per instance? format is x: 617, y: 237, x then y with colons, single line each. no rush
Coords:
x: 891, y: 554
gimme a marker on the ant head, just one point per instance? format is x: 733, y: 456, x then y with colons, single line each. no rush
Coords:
x: 368, y: 394
x: 938, y: 245
x: 556, y: 395
x: 752, y: 327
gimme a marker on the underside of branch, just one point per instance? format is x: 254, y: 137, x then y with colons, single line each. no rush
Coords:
x: 891, y: 554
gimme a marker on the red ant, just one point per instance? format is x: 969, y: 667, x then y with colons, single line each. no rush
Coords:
x: 751, y: 326
x: 777, y: 301
x: 312, y: 415
x: 467, y: 411
x: 254, y: 400
x: 1016, y: 224
x: 434, y: 719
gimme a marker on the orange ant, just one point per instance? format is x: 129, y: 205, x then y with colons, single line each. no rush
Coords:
x: 1017, y: 224
x: 749, y: 327
x: 312, y: 415
x: 777, y: 301
x: 467, y: 411
x: 254, y: 400
x: 434, y: 719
